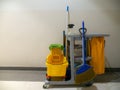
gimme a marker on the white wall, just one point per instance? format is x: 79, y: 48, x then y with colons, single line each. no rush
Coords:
x: 28, y: 27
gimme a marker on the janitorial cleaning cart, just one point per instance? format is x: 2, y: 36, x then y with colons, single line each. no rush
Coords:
x: 69, y: 68
x: 78, y: 60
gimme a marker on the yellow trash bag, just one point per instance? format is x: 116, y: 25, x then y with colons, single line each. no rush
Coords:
x: 96, y: 51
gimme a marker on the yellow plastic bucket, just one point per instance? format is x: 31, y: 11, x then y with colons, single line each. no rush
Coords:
x: 57, y: 70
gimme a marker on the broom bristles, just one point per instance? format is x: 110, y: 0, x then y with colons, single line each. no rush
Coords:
x: 86, y: 76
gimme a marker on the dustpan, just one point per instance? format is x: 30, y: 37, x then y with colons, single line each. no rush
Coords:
x: 85, y: 72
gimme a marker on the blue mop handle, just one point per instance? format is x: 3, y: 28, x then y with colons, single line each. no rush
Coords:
x: 83, y: 43
x: 67, y: 8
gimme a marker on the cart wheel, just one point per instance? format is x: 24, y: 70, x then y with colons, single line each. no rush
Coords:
x: 90, y: 83
x: 49, y: 79
x: 45, y: 86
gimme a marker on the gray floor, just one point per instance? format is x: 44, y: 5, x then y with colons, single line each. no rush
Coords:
x: 34, y: 80
x: 108, y: 77
x: 21, y: 75
x: 28, y: 75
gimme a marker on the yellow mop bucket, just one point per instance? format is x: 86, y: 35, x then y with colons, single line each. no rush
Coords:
x: 56, y: 62
x: 57, y: 70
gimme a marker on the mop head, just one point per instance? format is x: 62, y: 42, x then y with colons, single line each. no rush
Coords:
x: 85, y: 76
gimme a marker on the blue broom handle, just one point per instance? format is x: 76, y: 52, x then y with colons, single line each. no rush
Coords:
x: 83, y: 43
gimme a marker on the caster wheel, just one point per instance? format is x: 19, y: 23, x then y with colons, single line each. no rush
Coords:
x: 49, y: 79
x: 45, y: 86
x: 90, y: 83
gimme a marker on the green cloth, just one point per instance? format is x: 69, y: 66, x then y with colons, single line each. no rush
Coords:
x: 56, y: 46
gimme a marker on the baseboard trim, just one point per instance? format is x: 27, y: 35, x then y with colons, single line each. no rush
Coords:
x: 24, y: 68
x: 112, y: 69
x: 44, y: 69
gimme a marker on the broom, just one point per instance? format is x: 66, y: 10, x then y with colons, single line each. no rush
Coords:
x: 85, y: 72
